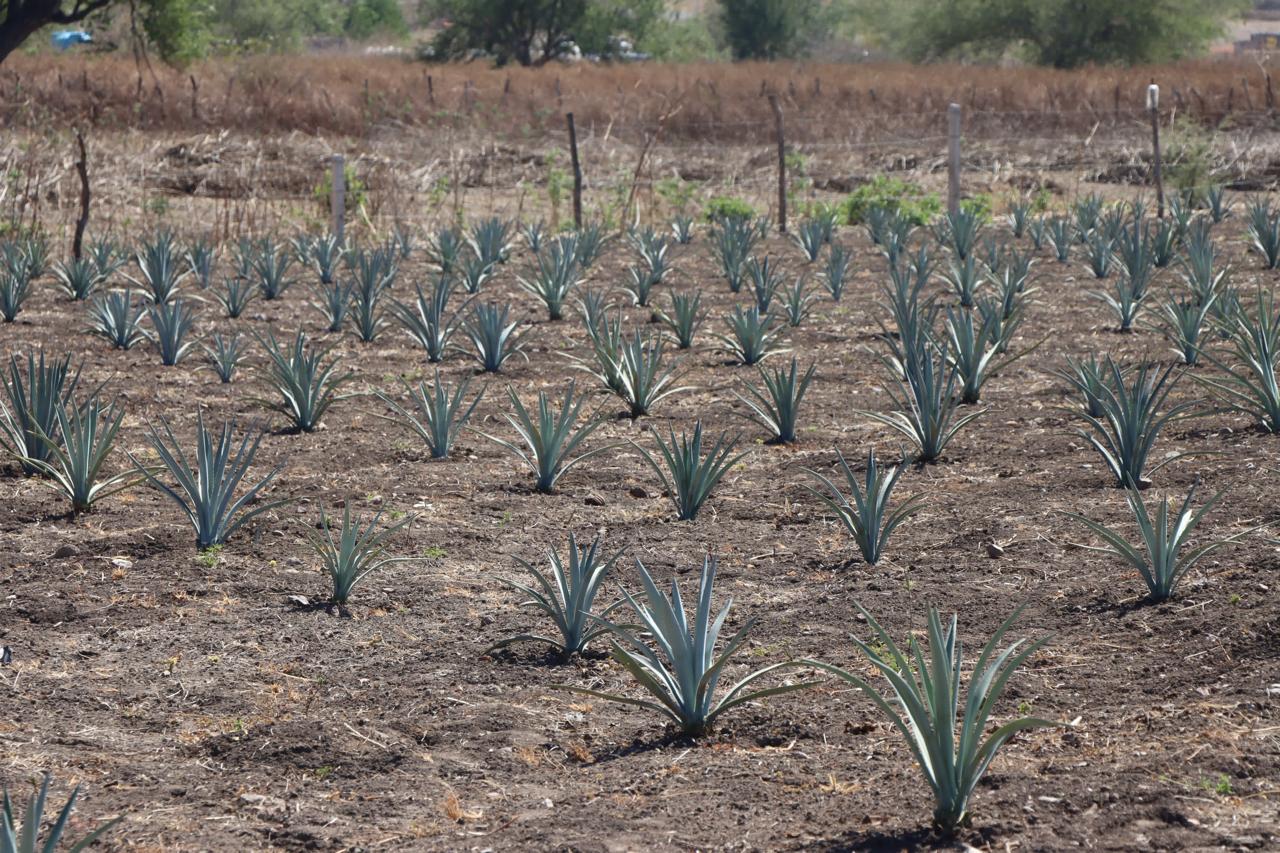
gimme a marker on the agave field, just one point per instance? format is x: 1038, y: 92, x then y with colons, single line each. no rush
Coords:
x: 691, y: 536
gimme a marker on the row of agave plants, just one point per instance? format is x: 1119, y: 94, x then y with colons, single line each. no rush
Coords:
x: 936, y: 375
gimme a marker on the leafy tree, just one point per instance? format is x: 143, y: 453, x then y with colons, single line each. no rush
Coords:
x: 178, y: 29
x: 21, y: 19
x: 366, y: 18
x: 529, y: 32
x: 766, y: 29
x: 1060, y: 33
x: 606, y: 18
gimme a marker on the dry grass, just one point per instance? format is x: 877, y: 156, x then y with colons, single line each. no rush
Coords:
x: 359, y: 97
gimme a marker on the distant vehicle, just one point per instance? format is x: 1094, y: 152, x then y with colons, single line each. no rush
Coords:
x: 65, y: 39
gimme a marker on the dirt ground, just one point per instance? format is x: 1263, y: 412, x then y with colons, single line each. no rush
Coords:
x: 196, y: 696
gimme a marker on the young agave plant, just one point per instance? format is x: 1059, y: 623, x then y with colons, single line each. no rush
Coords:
x: 692, y: 476
x: 1184, y: 324
x: 927, y: 405
x: 766, y: 279
x: 1218, y: 202
x: 224, y: 357
x: 606, y: 350
x: 1061, y: 236
x: 440, y: 415
x: 490, y: 240
x: 752, y: 336
x: 1161, y: 556
x: 106, y: 257
x: 964, y: 278
x: 200, y: 257
x: 493, y: 338
x: 809, y: 237
x: 777, y: 408
x: 234, y: 296
x: 271, y: 265
x: 305, y: 383
x: 429, y: 321
x: 835, y: 272
x: 1252, y: 387
x: 558, y: 273
x: 971, y: 353
x: 474, y: 272
x: 550, y: 437
x: 567, y: 595
x: 1133, y: 414
x: 367, y: 315
x: 206, y: 491
x: 797, y: 302
x: 684, y: 685
x: 643, y: 382
x: 1100, y: 255
x: 640, y: 283
x: 444, y: 248
x: 29, y: 425
x: 14, y: 291
x: 682, y: 229
x: 685, y: 317
x: 961, y: 229
x: 1125, y: 299
x: 333, y: 300
x: 1264, y: 230
x: 159, y: 268
x: 355, y: 553
x: 925, y: 706
x: 78, y: 278
x: 114, y: 317
x: 85, y: 436
x: 1088, y: 376
x: 171, y: 330
x: 27, y: 839
x: 534, y: 234
x: 1018, y: 217
x: 591, y: 242
x: 867, y: 519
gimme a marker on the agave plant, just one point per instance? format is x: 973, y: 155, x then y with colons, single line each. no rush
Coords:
x: 234, y: 296
x: 159, y: 268
x: 927, y: 404
x: 225, y: 355
x: 206, y: 492
x: 685, y: 317
x: 1133, y: 414
x: 106, y: 257
x: 429, y: 321
x: 1184, y: 324
x: 867, y: 518
x: 593, y: 305
x: 402, y: 240
x: 797, y: 302
x: 961, y: 229
x: 835, y: 272
x: 925, y: 706
x: 777, y: 407
x: 534, y: 234
x: 1164, y: 243
x: 964, y: 278
x: 558, y: 273
x: 1125, y: 299
x: 1061, y: 237
x: 766, y: 279
x: 752, y: 337
x: 1264, y: 231
x: 333, y: 301
x: 200, y: 257
x: 809, y: 236
x: 115, y: 317
x: 357, y: 551
x: 550, y: 436
x: 652, y: 249
x: 1088, y: 376
x: 27, y: 839
x: 490, y: 240
x: 592, y: 240
x: 305, y: 383
x: 1199, y: 272
x: 1100, y: 254
x: 1018, y: 217
x: 444, y: 248
x: 14, y: 290
x: 29, y: 426
x: 85, y: 435
x: 606, y: 349
x: 494, y: 339
x: 682, y: 229
x: 323, y: 255
x: 1086, y: 212
x: 474, y: 272
x: 440, y: 414
x: 731, y: 242
x: 639, y: 285
x: 567, y: 595
x: 971, y: 353
x: 643, y: 380
x: 1159, y: 555
x: 1251, y: 386
x: 684, y: 686
x: 78, y: 278
x: 1038, y: 231
x: 692, y: 476
x: 1219, y: 205
x: 1002, y: 319
x: 171, y: 330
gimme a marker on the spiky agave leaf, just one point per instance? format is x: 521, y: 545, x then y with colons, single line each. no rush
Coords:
x: 752, y: 336
x: 27, y: 839
x: 686, y: 475
x: 357, y: 551
x: 494, y: 339
x: 440, y: 414
x: 777, y: 408
x: 867, y: 519
x: 224, y: 357
x: 171, y: 330
x: 305, y: 383
x: 643, y: 382
x: 85, y: 436
x: 29, y: 407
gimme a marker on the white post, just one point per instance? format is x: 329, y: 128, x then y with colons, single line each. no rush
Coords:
x: 953, y: 159
x: 1153, y: 107
x: 338, y: 197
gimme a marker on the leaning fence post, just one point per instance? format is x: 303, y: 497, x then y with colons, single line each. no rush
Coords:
x: 82, y: 167
x: 577, y: 169
x: 782, y: 163
x: 338, y: 197
x: 953, y: 159
x: 1153, y: 106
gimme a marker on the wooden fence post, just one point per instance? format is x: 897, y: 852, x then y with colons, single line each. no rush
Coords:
x: 1153, y: 107
x: 338, y: 198
x: 577, y: 170
x: 82, y: 167
x: 953, y: 159
x: 782, y: 163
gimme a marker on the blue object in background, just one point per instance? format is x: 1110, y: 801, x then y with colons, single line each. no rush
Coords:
x: 70, y: 38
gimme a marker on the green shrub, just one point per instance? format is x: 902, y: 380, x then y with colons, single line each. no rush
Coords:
x: 893, y: 194
x: 724, y: 207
